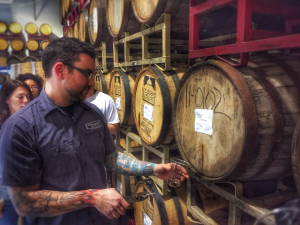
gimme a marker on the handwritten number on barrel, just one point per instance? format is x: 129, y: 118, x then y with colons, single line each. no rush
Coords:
x: 204, y: 99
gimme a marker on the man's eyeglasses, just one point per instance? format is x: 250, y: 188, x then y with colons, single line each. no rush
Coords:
x: 88, y: 74
x: 33, y: 87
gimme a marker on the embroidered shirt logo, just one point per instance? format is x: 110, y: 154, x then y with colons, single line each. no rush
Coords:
x: 93, y: 125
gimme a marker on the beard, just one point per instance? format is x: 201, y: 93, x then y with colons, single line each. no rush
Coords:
x: 78, y: 95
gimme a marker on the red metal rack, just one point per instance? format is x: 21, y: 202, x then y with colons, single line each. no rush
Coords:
x: 10, y: 36
x: 247, y: 40
x: 17, y: 53
x: 38, y: 37
x: 74, y: 13
x: 4, y: 53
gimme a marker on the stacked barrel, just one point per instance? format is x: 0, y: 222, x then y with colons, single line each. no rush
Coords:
x: 39, y: 38
x: 254, y: 109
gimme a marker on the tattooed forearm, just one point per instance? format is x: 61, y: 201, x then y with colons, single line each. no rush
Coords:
x: 124, y: 164
x: 43, y: 203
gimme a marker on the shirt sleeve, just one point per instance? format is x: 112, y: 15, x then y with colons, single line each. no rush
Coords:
x: 20, y: 165
x: 112, y: 113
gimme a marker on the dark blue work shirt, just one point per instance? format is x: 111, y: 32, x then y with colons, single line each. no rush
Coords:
x: 41, y: 144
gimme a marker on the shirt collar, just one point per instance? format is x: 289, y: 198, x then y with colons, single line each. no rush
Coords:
x: 47, y: 105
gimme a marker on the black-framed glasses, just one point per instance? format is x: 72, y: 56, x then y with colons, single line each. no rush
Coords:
x: 88, y: 74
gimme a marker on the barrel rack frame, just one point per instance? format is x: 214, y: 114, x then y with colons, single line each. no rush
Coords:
x: 256, y: 207
x: 103, y: 55
x: 161, y: 151
x: 162, y: 61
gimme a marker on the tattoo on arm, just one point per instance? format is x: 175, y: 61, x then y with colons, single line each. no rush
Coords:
x: 121, y: 163
x: 45, y: 203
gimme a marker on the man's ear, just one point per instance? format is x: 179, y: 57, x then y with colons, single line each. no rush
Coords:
x: 60, y: 70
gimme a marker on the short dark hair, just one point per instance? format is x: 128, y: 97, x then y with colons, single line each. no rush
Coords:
x: 29, y: 76
x: 6, y: 90
x: 65, y: 50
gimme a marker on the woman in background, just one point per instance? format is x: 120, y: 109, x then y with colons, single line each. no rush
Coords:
x: 34, y: 82
x: 14, y: 94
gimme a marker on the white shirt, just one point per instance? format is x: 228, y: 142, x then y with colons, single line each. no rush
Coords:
x: 107, y: 106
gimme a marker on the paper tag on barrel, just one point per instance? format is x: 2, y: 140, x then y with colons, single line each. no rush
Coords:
x: 148, y: 112
x: 118, y: 103
x: 203, y: 121
x: 147, y: 220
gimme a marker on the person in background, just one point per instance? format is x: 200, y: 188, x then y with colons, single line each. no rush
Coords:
x: 56, y: 149
x: 107, y: 106
x: 34, y: 82
x: 14, y: 95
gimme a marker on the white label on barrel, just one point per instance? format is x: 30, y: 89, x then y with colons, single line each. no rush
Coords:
x: 203, y: 121
x: 118, y: 102
x: 12, y: 71
x: 19, y: 68
x: 119, y: 186
x: 147, y: 220
x: 148, y: 112
x: 95, y: 20
x: 33, y: 67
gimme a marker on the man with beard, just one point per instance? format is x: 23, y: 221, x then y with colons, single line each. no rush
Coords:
x: 53, y: 152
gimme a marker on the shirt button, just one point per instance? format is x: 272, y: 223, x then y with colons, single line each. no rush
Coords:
x: 88, y: 183
x: 80, y: 143
x: 85, y: 163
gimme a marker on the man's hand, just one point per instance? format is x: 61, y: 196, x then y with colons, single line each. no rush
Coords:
x: 110, y: 203
x: 1, y: 207
x: 162, y: 171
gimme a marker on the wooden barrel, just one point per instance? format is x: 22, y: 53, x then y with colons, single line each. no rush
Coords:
x: 254, y: 111
x: 124, y: 184
x: 97, y: 28
x: 296, y: 155
x: 158, y: 210
x: 15, y: 28
x: 153, y: 99
x: 102, y: 82
x: 17, y: 45
x: 4, y: 77
x: 75, y: 30
x: 70, y: 32
x: 13, y: 59
x: 3, y: 27
x: 133, y: 143
x: 31, y: 28
x: 32, y: 45
x: 121, y: 91
x: 120, y: 18
x: 3, y: 61
x: 68, y: 4
x: 45, y: 29
x: 39, y: 71
x: 3, y: 44
x: 210, y: 202
x: 25, y: 68
x: 148, y: 12
x: 83, y: 26
x: 44, y: 44
x: 61, y: 12
x: 30, y: 59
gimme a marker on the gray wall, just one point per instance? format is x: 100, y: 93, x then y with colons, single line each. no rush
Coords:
x: 22, y: 11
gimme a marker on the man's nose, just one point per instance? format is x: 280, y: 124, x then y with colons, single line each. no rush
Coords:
x: 91, y: 81
x: 26, y: 99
